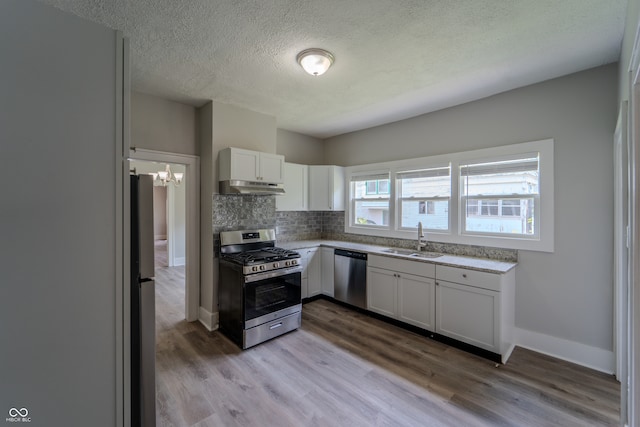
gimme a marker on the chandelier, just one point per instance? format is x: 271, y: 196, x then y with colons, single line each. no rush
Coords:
x: 166, y: 176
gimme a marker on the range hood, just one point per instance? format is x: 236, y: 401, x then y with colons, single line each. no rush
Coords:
x: 235, y: 186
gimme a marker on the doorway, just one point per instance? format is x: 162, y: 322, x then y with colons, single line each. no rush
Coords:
x: 184, y: 222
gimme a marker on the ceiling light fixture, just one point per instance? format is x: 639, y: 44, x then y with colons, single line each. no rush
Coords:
x: 315, y: 61
x: 166, y: 176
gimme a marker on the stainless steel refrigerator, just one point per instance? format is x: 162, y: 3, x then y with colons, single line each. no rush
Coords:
x: 143, y: 331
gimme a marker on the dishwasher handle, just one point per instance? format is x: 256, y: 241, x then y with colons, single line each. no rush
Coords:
x: 351, y: 254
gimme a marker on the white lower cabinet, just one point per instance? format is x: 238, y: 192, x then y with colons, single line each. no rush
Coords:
x: 382, y: 289
x: 327, y: 271
x: 304, y: 259
x: 416, y: 301
x: 315, y: 268
x: 476, y: 307
x: 312, y: 271
x: 396, y: 293
x: 468, y: 314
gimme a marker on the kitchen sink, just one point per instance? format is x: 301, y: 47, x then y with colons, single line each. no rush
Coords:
x: 398, y: 251
x: 409, y: 252
x: 426, y: 255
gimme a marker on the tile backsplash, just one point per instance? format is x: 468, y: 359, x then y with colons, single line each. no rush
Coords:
x: 241, y: 212
x: 246, y: 211
x: 304, y: 226
x: 235, y: 212
x: 294, y: 225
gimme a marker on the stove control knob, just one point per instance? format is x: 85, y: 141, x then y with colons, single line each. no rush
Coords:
x: 294, y: 262
x: 276, y: 265
x: 262, y: 267
x: 287, y: 263
x: 254, y: 268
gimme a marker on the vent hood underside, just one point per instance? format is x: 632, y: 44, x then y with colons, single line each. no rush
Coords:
x: 249, y: 187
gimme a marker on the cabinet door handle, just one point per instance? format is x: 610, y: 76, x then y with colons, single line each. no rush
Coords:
x: 464, y: 275
x: 437, y: 283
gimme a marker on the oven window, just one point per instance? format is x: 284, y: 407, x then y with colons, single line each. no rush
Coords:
x: 270, y: 295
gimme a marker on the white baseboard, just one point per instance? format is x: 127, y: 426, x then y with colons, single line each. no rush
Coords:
x: 571, y: 351
x: 179, y: 261
x: 507, y: 354
x: 160, y: 237
x: 208, y: 319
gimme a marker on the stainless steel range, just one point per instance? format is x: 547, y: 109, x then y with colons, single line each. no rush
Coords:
x: 259, y: 287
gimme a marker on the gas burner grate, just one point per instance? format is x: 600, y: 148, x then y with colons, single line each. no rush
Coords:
x: 261, y: 256
x: 282, y: 252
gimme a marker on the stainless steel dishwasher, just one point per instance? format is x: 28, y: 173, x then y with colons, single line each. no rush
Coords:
x: 350, y: 277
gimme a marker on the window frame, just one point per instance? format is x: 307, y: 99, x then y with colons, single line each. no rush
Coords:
x: 544, y: 214
x: 498, y: 197
x: 350, y: 220
x: 397, y: 177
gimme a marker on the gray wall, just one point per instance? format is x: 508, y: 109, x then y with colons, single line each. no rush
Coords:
x: 57, y: 217
x: 299, y: 148
x: 204, y: 135
x: 568, y: 293
x: 163, y: 125
x: 221, y: 126
x: 159, y: 212
x: 241, y: 128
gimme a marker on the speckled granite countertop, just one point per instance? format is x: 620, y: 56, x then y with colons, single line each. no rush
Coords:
x: 480, y: 264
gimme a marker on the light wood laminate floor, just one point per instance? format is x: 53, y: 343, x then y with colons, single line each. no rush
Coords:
x: 343, y: 368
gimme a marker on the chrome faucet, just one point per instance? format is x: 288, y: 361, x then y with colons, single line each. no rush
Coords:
x: 422, y: 240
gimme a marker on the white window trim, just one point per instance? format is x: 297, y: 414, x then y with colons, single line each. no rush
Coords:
x: 349, y: 220
x: 399, y: 175
x: 543, y: 243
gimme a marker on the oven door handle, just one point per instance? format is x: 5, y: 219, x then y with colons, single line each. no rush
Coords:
x: 273, y: 273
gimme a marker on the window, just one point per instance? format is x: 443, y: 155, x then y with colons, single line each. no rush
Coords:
x: 497, y: 197
x: 424, y: 196
x: 370, y: 200
x: 500, y: 197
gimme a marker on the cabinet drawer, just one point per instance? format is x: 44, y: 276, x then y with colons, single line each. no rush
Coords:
x: 479, y: 279
x: 417, y: 268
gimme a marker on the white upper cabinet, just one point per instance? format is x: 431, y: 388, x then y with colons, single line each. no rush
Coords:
x: 295, y: 197
x: 271, y: 168
x: 247, y: 165
x: 326, y: 188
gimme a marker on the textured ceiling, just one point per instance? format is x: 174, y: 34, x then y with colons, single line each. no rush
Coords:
x: 394, y: 58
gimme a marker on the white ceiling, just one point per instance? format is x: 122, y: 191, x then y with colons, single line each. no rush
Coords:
x: 394, y: 58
